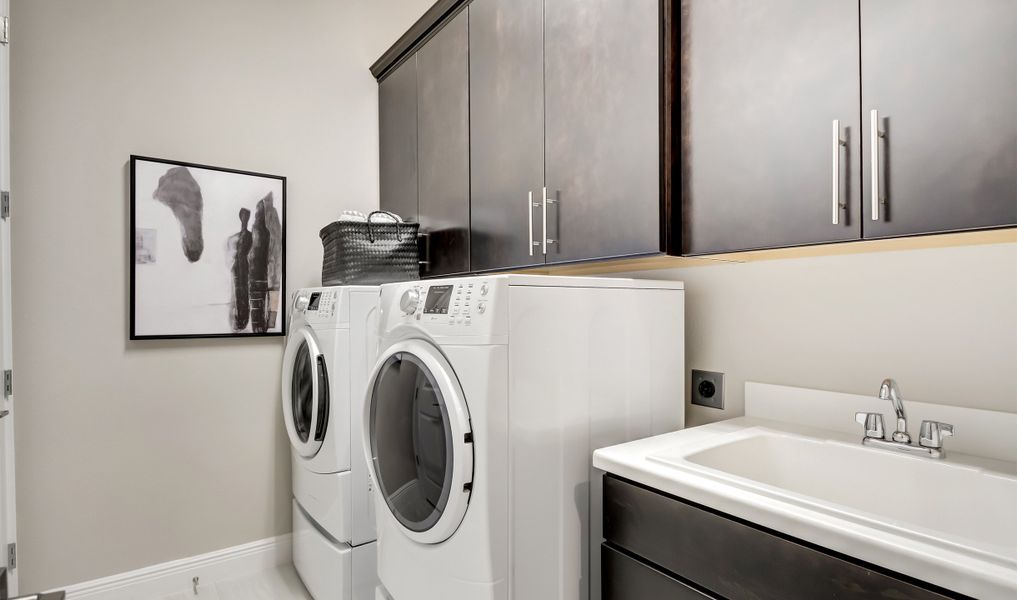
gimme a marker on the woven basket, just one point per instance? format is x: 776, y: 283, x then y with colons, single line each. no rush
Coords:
x: 371, y: 253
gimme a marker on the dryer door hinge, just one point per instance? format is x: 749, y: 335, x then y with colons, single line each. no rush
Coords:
x: 5, y: 27
x: 5, y: 205
x: 12, y: 556
x: 8, y: 383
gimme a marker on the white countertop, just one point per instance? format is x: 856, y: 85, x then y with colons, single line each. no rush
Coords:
x: 890, y: 544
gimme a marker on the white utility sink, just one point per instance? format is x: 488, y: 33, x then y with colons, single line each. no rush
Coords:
x: 946, y: 503
x: 800, y: 468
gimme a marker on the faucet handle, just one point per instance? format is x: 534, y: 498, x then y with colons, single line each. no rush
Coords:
x: 933, y: 432
x: 873, y: 423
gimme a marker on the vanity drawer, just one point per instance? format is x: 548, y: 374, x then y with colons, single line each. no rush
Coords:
x: 734, y: 559
x: 625, y: 578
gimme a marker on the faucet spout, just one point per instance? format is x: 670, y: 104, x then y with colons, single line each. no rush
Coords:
x: 890, y: 391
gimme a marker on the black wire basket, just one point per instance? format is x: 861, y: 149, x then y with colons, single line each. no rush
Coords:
x: 369, y: 253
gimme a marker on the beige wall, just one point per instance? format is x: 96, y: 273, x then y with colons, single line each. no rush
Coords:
x: 943, y: 322
x: 130, y: 454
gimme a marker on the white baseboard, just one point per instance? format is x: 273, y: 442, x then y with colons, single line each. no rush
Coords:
x: 176, y: 576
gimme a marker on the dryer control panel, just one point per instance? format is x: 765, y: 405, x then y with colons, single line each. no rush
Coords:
x: 323, y: 302
x: 316, y: 305
x: 455, y: 303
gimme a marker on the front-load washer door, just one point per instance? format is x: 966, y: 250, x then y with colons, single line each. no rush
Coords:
x: 419, y: 443
x: 305, y: 392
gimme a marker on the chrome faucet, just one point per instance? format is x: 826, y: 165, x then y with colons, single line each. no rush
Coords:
x: 930, y: 440
x: 889, y: 390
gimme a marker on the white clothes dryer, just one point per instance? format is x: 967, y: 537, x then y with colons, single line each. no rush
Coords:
x: 487, y: 400
x: 331, y: 345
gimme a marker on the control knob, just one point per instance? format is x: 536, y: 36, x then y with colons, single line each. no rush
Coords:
x: 410, y: 300
x: 302, y: 302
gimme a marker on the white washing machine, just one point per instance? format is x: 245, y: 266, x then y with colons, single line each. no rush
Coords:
x: 487, y: 400
x: 330, y: 348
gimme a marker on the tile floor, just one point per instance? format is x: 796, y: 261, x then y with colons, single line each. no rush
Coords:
x: 280, y: 584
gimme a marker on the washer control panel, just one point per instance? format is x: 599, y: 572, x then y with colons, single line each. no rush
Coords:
x: 460, y: 303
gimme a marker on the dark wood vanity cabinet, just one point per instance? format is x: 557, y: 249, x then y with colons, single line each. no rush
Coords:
x: 762, y: 83
x: 626, y: 577
x: 660, y: 546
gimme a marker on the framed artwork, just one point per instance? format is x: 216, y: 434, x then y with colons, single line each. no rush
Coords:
x: 208, y: 251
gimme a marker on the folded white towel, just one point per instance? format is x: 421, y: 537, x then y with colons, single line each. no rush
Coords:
x: 354, y: 216
x: 386, y: 217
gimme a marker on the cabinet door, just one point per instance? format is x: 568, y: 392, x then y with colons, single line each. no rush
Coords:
x: 602, y: 127
x: 762, y: 84
x: 443, y: 148
x: 942, y: 76
x: 628, y: 578
x: 735, y: 559
x: 506, y: 132
x: 397, y: 133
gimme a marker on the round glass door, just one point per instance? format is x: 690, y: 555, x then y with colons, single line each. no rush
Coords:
x: 305, y: 393
x: 420, y: 442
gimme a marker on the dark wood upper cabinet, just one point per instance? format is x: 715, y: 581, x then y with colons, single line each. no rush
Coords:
x: 589, y: 129
x: 506, y: 132
x: 443, y: 148
x: 600, y: 70
x: 763, y: 84
x: 602, y: 127
x: 397, y: 133
x: 942, y: 76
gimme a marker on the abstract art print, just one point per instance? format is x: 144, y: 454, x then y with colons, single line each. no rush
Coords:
x: 208, y: 251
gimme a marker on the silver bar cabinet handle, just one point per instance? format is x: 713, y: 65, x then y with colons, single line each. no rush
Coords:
x: 874, y: 159
x: 835, y: 189
x: 529, y: 214
x: 543, y: 238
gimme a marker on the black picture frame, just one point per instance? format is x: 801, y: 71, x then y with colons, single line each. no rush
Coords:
x: 281, y: 315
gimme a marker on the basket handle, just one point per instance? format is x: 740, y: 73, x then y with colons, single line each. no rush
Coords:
x: 396, y: 220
